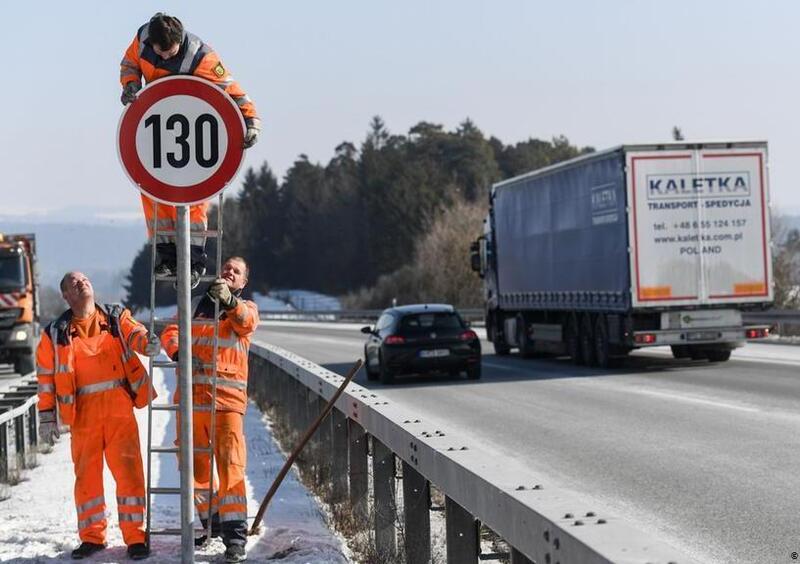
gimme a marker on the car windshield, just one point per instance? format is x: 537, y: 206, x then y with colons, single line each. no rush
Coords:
x: 12, y: 272
x: 431, y: 321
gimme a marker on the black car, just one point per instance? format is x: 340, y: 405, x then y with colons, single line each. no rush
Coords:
x: 421, y: 338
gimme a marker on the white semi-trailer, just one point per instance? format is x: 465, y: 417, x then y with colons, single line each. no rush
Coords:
x: 636, y: 246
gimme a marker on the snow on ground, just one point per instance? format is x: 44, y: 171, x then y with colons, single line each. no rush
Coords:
x: 38, y: 523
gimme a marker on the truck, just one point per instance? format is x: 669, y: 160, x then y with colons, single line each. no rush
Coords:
x: 636, y: 246
x: 19, y: 301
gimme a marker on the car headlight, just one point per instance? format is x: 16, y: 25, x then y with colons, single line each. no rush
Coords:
x: 19, y: 335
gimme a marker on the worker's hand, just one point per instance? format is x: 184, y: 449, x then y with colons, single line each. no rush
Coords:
x: 219, y: 291
x: 129, y: 92
x: 153, y: 347
x: 250, y: 137
x: 48, y: 427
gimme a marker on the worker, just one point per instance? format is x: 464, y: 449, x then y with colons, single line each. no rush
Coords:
x: 88, y: 371
x: 237, y: 322
x: 163, y: 48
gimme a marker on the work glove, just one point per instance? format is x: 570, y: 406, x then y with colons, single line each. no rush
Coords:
x: 153, y: 347
x: 219, y: 292
x: 250, y: 137
x: 48, y: 427
x: 129, y: 92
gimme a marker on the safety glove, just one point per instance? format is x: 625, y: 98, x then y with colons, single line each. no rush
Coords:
x: 48, y: 427
x: 153, y: 347
x: 219, y: 292
x: 250, y: 137
x: 129, y: 92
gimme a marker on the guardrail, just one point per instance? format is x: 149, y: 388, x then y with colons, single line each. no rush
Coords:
x: 537, y: 520
x: 18, y: 431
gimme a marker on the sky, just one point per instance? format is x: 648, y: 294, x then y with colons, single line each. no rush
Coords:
x: 602, y: 73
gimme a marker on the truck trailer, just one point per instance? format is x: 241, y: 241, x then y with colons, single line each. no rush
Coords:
x: 19, y: 301
x: 636, y: 246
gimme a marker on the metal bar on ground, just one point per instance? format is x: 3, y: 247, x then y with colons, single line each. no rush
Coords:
x: 417, y: 517
x: 383, y: 470
x: 461, y: 532
x: 359, y: 477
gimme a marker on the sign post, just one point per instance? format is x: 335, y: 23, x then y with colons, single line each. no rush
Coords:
x: 181, y: 142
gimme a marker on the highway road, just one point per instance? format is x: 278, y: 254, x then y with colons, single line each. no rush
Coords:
x: 704, y: 456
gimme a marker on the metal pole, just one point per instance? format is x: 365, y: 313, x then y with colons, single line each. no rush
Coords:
x: 185, y: 386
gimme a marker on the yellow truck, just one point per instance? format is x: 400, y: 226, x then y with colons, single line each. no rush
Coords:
x: 19, y: 301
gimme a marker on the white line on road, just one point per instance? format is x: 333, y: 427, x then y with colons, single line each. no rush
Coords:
x: 693, y: 399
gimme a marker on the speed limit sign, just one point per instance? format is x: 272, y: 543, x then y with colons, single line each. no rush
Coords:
x: 181, y: 141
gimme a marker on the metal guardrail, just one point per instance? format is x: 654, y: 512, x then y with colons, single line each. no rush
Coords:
x: 538, y: 521
x: 776, y: 318
x: 18, y: 431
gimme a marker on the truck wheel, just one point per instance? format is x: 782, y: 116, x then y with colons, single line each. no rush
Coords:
x: 696, y: 353
x: 24, y: 364
x: 602, y: 348
x: 385, y: 374
x: 524, y: 340
x: 718, y: 355
x: 498, y: 339
x: 587, y: 341
x: 371, y: 375
x: 573, y: 342
x: 680, y: 351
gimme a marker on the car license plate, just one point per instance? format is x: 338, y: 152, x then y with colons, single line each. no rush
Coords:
x: 434, y: 353
x: 702, y: 336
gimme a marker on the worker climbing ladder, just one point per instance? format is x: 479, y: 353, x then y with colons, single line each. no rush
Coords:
x: 184, y: 423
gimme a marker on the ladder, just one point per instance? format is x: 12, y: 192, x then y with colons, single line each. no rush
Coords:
x: 173, y: 407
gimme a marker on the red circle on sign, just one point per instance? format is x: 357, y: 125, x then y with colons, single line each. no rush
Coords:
x: 232, y: 119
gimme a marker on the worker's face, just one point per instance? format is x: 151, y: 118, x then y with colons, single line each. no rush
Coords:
x: 233, y: 272
x: 167, y: 53
x: 77, y: 289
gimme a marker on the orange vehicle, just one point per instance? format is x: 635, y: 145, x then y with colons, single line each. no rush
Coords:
x: 19, y: 301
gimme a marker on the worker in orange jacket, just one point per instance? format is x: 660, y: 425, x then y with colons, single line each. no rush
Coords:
x: 87, y: 369
x: 163, y: 48
x: 237, y: 323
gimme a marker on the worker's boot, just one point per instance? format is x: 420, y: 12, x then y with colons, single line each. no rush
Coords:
x: 166, y: 259
x: 138, y: 551
x: 86, y: 549
x: 215, y: 529
x: 235, y: 553
x: 198, y: 263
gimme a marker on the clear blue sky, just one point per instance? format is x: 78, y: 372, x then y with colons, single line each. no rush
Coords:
x: 600, y: 72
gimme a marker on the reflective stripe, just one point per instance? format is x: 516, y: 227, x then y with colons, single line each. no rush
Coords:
x: 62, y: 368
x: 197, y: 226
x: 91, y: 519
x: 242, y: 100
x: 89, y: 504
x: 235, y: 516
x: 129, y: 71
x: 100, y: 387
x: 193, y: 45
x: 201, y: 408
x: 131, y: 516
x: 42, y: 371
x: 138, y: 384
x: 221, y: 382
x: 209, y: 341
x: 66, y: 399
x: 130, y: 500
x: 46, y: 388
x: 137, y: 332
x: 233, y: 499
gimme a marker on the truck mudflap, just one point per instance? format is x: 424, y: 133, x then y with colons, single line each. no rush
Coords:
x: 731, y: 337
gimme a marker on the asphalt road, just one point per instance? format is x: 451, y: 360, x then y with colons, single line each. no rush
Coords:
x: 704, y: 456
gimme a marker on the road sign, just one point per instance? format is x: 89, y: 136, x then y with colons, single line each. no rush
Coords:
x: 181, y: 141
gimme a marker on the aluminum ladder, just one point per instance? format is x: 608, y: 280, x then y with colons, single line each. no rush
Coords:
x: 173, y: 407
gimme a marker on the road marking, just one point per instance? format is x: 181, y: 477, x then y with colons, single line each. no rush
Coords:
x: 502, y: 366
x: 695, y: 400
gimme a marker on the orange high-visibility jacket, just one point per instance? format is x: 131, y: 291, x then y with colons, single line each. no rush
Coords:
x: 195, y: 58
x: 59, y: 384
x: 236, y: 326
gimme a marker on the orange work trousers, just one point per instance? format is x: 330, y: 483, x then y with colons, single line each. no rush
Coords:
x: 229, y: 499
x: 164, y: 218
x: 105, y: 426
